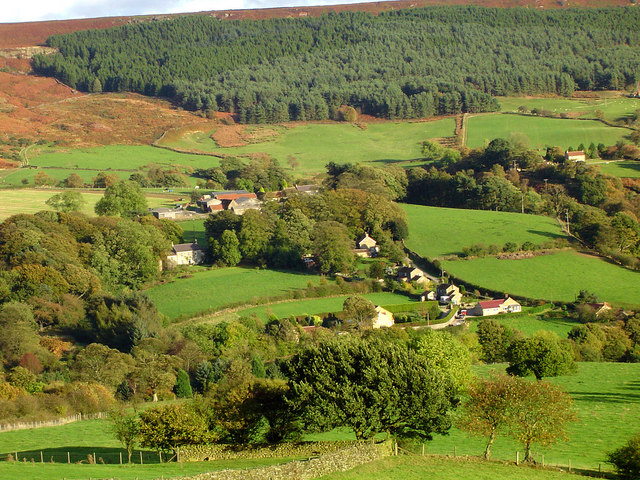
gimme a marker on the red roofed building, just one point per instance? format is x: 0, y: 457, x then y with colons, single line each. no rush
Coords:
x: 495, y: 307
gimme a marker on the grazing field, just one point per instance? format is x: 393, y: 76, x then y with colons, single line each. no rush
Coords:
x: 412, y: 467
x: 206, y: 290
x: 552, y: 277
x: 530, y: 323
x: 91, y: 437
x: 27, y: 200
x: 194, y: 229
x: 314, y: 145
x: 16, y: 178
x: 607, y: 401
x: 117, y: 157
x: 540, y: 131
x: 435, y: 232
x: 614, y: 108
x: 623, y: 168
x: 315, y: 306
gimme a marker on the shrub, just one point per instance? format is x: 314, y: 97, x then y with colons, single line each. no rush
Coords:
x: 626, y: 459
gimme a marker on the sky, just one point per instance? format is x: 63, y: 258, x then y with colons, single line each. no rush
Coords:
x: 37, y: 10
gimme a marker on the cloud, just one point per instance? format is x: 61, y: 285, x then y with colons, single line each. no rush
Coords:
x: 37, y: 10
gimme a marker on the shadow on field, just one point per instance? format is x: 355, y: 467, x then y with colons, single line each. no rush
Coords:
x: 546, y: 234
x: 74, y: 454
x: 606, y: 397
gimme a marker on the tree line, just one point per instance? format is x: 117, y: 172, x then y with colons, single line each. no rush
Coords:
x: 401, y: 64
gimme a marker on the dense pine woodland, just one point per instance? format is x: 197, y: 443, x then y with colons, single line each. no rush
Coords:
x: 400, y: 64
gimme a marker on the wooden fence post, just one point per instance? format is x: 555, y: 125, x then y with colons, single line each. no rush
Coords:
x: 68, y: 458
x: 120, y: 458
x: 41, y: 457
x: 160, y: 455
x: 141, y: 463
x: 423, y: 449
x: 517, y: 458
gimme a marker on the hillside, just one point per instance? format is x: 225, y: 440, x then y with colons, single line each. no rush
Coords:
x: 35, y: 33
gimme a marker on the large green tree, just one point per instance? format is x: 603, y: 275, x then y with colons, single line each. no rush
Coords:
x: 542, y: 355
x: 124, y: 199
x: 370, y: 387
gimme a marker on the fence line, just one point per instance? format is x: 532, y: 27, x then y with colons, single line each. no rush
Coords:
x: 6, y: 427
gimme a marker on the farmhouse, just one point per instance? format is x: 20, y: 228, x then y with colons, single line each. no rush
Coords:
x: 186, y: 254
x: 428, y: 295
x: 383, y: 318
x: 448, y: 293
x: 496, y: 307
x: 600, y: 308
x: 164, y: 212
x: 223, y: 200
x: 242, y: 204
x: 576, y: 155
x: 411, y: 274
x: 367, y: 247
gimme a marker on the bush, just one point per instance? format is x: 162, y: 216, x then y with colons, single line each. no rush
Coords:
x: 626, y: 459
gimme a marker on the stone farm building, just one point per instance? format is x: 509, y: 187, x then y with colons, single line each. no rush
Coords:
x: 383, y: 318
x: 238, y: 201
x: 576, y: 156
x: 186, y: 254
x: 367, y: 247
x: 496, y: 307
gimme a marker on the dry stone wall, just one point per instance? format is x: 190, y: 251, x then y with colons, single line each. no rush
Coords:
x: 314, y: 467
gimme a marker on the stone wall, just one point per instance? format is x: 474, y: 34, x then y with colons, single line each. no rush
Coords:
x: 337, y: 461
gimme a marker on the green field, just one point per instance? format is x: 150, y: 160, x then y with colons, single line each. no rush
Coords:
x: 315, y: 145
x: 117, y: 157
x: 540, y: 131
x: 435, y: 232
x: 614, y: 108
x: 607, y: 400
x: 17, y: 201
x: 315, y: 306
x: 531, y: 323
x: 413, y: 467
x: 15, y: 177
x: 552, y: 277
x: 208, y: 290
x: 91, y: 437
x: 624, y: 168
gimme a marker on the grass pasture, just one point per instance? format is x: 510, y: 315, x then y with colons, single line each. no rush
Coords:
x: 435, y: 231
x: 91, y: 437
x: 28, y: 200
x: 15, y: 177
x: 622, y: 168
x: 314, y: 306
x: 413, y: 467
x: 315, y: 145
x: 209, y: 290
x: 614, y: 108
x: 552, y: 277
x: 541, y: 131
x: 607, y: 401
x: 530, y: 323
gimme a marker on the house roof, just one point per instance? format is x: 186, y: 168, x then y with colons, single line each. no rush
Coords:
x: 224, y: 192
x: 250, y: 200
x: 307, y: 188
x: 491, y: 303
x: 186, y: 247
x: 162, y: 210
x: 574, y: 153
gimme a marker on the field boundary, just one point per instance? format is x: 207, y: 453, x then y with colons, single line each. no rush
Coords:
x: 7, y: 427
